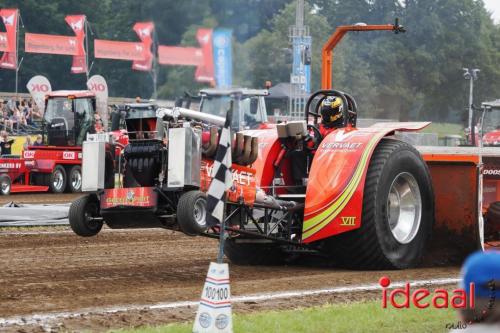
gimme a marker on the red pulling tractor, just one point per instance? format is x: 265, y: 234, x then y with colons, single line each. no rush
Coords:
x: 361, y: 196
x: 56, y: 165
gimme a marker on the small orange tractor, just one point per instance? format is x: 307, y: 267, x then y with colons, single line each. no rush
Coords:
x: 365, y: 199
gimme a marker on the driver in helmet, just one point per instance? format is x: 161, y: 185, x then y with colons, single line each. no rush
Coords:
x: 331, y: 115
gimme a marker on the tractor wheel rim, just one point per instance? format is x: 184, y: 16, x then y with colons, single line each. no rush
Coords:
x: 58, y: 179
x: 76, y: 180
x: 90, y: 213
x: 200, y: 212
x: 404, y: 208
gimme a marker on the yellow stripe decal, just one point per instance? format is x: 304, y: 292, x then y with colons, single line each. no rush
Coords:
x: 318, y: 222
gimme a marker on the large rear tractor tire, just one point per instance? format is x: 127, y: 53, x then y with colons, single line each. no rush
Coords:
x: 81, y: 214
x: 253, y: 253
x: 58, y: 179
x: 397, y: 215
x: 5, y: 185
x: 75, y: 179
x: 192, y: 213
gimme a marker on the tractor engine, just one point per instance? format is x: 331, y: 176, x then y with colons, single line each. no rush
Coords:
x: 143, y: 162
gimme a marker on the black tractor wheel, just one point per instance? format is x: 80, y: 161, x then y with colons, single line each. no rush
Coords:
x: 58, y: 179
x: 5, y: 184
x: 192, y: 213
x: 81, y: 216
x: 253, y: 253
x: 398, y: 212
x: 75, y: 179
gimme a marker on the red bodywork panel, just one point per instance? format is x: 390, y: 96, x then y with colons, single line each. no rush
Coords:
x: 19, y: 176
x: 45, y: 158
x: 244, y: 184
x: 336, y: 182
x: 269, y: 148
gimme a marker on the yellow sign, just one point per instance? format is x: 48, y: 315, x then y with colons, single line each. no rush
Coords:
x: 348, y: 221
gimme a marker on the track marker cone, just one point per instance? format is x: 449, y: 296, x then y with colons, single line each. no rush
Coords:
x: 214, y: 312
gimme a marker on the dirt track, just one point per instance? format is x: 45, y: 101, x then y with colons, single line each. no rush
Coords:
x: 39, y: 198
x: 52, y: 272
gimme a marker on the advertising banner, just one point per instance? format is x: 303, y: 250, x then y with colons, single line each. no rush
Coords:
x: 62, y: 45
x: 8, y: 39
x: 184, y: 56
x: 109, y: 49
x: 38, y: 86
x: 50, y: 44
x: 205, y: 72
x: 145, y: 32
x: 77, y: 23
x: 98, y: 85
x: 223, y: 59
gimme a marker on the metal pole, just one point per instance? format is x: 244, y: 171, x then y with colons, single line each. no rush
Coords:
x: 222, y: 235
x: 17, y: 49
x: 17, y: 72
x: 471, y: 100
x: 87, y: 70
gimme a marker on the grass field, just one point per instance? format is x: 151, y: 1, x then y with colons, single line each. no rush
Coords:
x: 349, y: 318
x: 443, y: 129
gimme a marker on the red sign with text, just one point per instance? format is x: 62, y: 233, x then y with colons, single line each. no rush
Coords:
x: 135, y: 197
x: 62, y: 45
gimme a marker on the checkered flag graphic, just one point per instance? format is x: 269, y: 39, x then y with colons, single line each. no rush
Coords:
x: 221, y: 175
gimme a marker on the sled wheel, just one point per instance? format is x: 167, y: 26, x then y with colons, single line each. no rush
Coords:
x: 192, y: 213
x: 398, y: 212
x: 253, y: 253
x: 75, y: 179
x: 5, y: 184
x: 57, y: 182
x: 81, y: 214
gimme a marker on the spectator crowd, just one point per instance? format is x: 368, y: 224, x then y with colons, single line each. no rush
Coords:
x: 18, y: 115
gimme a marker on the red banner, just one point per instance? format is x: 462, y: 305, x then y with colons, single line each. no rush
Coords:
x: 145, y: 32
x: 201, y: 57
x: 185, y: 56
x: 77, y: 23
x: 109, y: 49
x: 63, y: 45
x: 205, y: 72
x: 50, y: 44
x: 8, y: 40
x: 139, y: 53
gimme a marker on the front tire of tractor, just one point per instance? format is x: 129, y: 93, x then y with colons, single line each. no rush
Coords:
x: 192, y: 213
x: 81, y: 212
x: 5, y: 185
x: 398, y: 212
x: 250, y: 254
x: 75, y: 179
x: 58, y: 179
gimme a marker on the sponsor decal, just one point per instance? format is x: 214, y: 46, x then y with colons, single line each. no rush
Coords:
x: 239, y: 176
x: 69, y: 155
x: 341, y: 145
x: 10, y: 165
x: 138, y: 197
x: 29, y: 154
x: 491, y: 172
x: 348, y: 221
x: 205, y: 320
